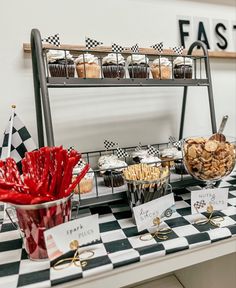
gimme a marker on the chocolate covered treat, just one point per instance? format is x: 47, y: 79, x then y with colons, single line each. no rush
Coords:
x: 60, y: 63
x: 183, y: 67
x: 113, y: 66
x: 138, y: 66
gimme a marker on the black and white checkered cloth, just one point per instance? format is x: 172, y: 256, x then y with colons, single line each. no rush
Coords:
x: 116, y: 48
x: 109, y: 144
x: 120, y: 242
x: 91, y: 43
x: 135, y: 48
x: 21, y: 141
x: 158, y: 47
x: 178, y: 49
x: 54, y: 40
x: 152, y: 150
x: 121, y: 153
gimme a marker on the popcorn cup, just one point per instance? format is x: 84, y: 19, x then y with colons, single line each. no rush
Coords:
x: 140, y: 192
x: 33, y: 220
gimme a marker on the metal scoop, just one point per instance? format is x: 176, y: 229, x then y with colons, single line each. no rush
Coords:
x: 219, y: 136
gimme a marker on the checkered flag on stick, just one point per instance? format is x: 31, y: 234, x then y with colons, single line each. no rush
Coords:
x: 121, y: 153
x: 54, y: 40
x: 91, y: 43
x: 158, y: 47
x: 16, y: 140
x: 116, y: 48
x: 135, y: 48
x: 173, y: 142
x: 178, y: 49
x: 109, y: 144
x: 152, y: 150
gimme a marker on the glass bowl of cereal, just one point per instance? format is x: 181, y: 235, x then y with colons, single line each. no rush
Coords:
x: 209, y: 158
x: 145, y: 183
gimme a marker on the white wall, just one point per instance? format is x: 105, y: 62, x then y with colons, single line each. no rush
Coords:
x: 84, y: 117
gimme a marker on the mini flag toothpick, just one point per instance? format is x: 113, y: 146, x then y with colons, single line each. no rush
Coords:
x: 54, y: 39
x: 91, y: 43
x: 109, y: 144
x: 121, y: 153
x: 178, y: 49
x: 152, y: 150
x: 116, y: 48
x: 158, y: 47
x: 135, y: 48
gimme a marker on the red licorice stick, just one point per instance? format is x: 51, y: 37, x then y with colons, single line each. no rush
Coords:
x: 15, y: 173
x: 11, y: 196
x: 66, y: 177
x: 42, y: 199
x: 76, y: 181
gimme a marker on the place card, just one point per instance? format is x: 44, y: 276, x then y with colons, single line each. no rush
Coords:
x: 161, y: 207
x: 202, y: 199
x: 85, y: 230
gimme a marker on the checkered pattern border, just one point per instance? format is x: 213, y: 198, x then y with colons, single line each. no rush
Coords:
x: 120, y: 242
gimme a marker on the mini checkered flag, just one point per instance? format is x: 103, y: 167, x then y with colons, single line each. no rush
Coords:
x: 109, y: 144
x: 91, y: 43
x: 178, y: 49
x: 121, y: 153
x: 19, y: 143
x: 158, y: 47
x: 152, y: 150
x: 116, y: 48
x: 54, y: 39
x: 135, y: 48
x: 173, y: 142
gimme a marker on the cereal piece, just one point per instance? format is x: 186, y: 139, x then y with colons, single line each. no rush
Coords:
x: 192, y: 152
x: 211, y: 145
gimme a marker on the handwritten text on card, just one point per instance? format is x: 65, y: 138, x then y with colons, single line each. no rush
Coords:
x: 145, y: 214
x: 201, y: 199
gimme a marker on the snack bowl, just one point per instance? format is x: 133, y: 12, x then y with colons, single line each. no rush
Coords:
x: 208, y: 159
x: 142, y: 191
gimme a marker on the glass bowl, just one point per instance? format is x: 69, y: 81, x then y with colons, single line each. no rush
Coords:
x: 208, y: 159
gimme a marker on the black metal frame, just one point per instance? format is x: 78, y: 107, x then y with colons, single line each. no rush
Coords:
x: 42, y: 83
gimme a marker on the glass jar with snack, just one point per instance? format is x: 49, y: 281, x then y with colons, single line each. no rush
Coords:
x: 209, y: 159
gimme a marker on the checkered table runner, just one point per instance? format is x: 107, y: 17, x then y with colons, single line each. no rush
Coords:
x: 119, y: 245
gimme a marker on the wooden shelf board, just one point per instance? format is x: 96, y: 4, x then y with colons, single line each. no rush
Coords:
x: 150, y: 51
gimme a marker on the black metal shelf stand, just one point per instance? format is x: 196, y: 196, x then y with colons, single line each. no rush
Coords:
x: 43, y: 81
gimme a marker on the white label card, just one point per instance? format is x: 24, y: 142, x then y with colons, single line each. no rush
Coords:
x: 58, y: 238
x: 201, y: 199
x: 145, y: 214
